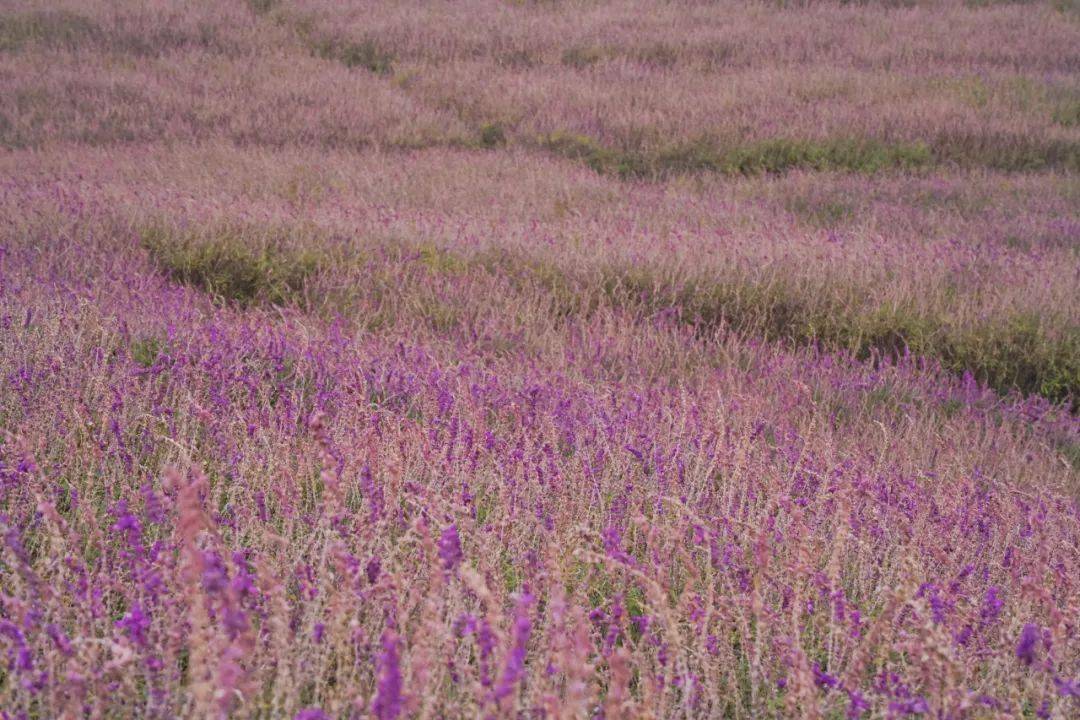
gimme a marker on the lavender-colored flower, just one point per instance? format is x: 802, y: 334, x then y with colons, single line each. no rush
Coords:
x: 25, y: 660
x: 1067, y: 687
x: 387, y: 704
x: 824, y: 679
x: 154, y: 509
x: 450, y: 548
x: 515, y: 664
x: 135, y: 623
x: 127, y: 523
x: 857, y: 704
x: 913, y: 706
x: 991, y: 606
x: 243, y: 582
x: 311, y: 714
x: 371, y: 570
x: 235, y: 622
x: 215, y: 577
x: 612, y: 539
x: 59, y: 638
x: 1026, y: 646
x: 712, y: 644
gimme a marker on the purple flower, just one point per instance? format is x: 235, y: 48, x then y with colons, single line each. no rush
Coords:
x: 824, y: 679
x: 916, y: 706
x: 387, y: 702
x: 135, y: 623
x: 712, y: 644
x: 155, y: 511
x: 856, y: 624
x: 1067, y: 688
x: 127, y: 523
x: 59, y: 638
x: 235, y: 622
x: 450, y: 548
x: 858, y: 704
x: 464, y: 625
x: 372, y: 570
x: 613, y: 545
x: 214, y: 576
x: 25, y: 660
x: 311, y: 714
x: 1029, y: 639
x: 515, y: 664
x: 243, y: 582
x: 992, y: 605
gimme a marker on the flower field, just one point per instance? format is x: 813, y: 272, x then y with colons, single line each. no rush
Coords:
x: 539, y: 359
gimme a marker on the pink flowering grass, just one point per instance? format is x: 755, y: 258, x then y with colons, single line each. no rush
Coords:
x: 434, y: 361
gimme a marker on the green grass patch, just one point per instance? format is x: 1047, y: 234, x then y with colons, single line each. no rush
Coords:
x: 823, y: 213
x: 52, y: 28
x: 1011, y: 353
x: 1015, y: 353
x: 366, y: 54
x: 582, y: 56
x: 1009, y: 152
x: 850, y: 154
x: 1067, y: 112
x: 261, y: 7
x: 442, y: 261
x: 492, y: 135
x: 993, y: 3
x: 233, y: 265
x: 146, y: 351
x: 659, y: 55
x: 773, y: 156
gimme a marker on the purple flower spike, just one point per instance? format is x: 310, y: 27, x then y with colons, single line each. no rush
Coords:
x: 858, y: 705
x: 135, y: 623
x: 387, y: 702
x: 515, y: 664
x: 450, y: 548
x: 1029, y: 639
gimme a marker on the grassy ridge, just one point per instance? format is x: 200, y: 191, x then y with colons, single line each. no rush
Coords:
x: 778, y: 155
x: 1014, y: 353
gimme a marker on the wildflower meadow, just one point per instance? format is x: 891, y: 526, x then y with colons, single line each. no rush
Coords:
x: 547, y: 360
